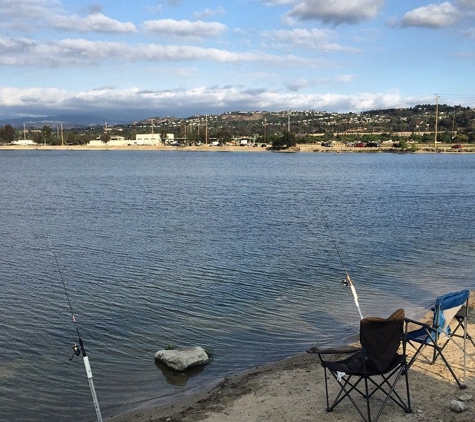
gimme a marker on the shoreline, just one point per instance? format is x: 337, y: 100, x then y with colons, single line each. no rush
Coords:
x: 292, y: 390
x: 443, y: 148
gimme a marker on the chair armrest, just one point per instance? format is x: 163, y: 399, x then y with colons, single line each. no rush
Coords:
x: 333, y: 351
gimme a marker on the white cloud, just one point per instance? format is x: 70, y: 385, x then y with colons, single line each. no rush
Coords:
x: 466, y: 4
x: 32, y: 15
x: 314, y: 39
x: 24, y: 97
x: 155, y: 52
x: 15, y: 9
x: 185, y: 28
x: 208, y: 13
x: 95, y: 22
x: 431, y: 16
x: 278, y: 2
x: 344, y: 78
x: 185, y: 102
x: 297, y: 85
x: 26, y: 15
x: 333, y: 12
x: 83, y: 52
x: 14, y: 45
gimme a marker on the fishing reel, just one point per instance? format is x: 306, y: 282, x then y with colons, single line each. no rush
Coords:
x: 347, y: 281
x: 76, y: 351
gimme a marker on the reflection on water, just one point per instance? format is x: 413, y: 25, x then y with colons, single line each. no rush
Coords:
x: 178, y: 378
x: 228, y: 251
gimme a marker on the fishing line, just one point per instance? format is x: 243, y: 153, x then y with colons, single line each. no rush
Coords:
x: 79, y: 349
x: 347, y: 281
x: 65, y: 289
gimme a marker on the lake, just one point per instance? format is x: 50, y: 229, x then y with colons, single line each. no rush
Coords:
x: 238, y: 252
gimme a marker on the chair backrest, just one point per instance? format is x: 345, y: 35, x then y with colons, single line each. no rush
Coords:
x: 446, y: 307
x: 380, y: 339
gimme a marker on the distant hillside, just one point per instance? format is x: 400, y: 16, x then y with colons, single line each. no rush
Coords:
x: 67, y: 120
x: 454, y: 124
x: 417, y: 119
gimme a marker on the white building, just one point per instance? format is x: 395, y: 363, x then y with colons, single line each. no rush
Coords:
x: 147, y: 139
x: 120, y: 141
x: 114, y: 141
x: 23, y: 142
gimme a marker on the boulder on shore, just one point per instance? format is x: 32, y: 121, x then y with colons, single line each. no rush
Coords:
x: 181, y: 359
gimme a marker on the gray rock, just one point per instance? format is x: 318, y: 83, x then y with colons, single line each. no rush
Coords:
x: 465, y: 397
x: 458, y: 406
x: 181, y: 359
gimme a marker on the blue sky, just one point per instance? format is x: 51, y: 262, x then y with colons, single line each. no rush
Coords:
x: 136, y: 59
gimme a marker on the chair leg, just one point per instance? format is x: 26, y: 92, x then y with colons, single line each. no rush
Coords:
x: 346, y: 387
x: 416, y: 353
x: 387, y: 386
x: 367, y: 395
x: 438, y: 351
x: 409, y: 409
x: 391, y: 394
x: 461, y: 386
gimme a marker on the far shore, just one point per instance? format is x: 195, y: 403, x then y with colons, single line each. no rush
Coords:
x: 441, y: 148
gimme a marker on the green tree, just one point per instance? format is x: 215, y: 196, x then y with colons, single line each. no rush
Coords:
x: 7, y: 134
x: 105, y: 137
x: 36, y: 137
x: 71, y: 138
x: 461, y: 138
x: 223, y: 135
x: 287, y: 140
x: 444, y: 137
x: 46, y: 134
x: 163, y: 136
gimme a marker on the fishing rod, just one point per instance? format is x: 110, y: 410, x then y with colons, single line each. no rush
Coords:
x: 79, y: 349
x: 347, y: 281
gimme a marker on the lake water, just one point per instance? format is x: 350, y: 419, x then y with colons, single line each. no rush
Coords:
x: 224, y: 250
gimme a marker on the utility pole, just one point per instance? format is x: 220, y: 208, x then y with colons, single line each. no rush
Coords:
x: 453, y: 125
x: 265, y: 130
x: 206, y: 130
x: 436, y: 120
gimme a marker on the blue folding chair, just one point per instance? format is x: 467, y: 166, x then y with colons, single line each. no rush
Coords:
x: 448, y: 323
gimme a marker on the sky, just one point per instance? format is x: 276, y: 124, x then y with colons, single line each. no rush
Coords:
x: 131, y: 60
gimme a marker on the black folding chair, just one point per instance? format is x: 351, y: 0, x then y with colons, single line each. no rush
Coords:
x: 375, y: 368
x: 449, y: 324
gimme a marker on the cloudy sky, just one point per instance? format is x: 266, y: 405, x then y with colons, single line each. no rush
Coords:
x: 135, y: 59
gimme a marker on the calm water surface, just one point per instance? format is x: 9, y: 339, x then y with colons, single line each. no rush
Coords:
x: 225, y: 250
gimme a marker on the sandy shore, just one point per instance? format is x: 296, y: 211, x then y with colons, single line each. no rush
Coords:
x: 293, y: 390
x: 444, y: 148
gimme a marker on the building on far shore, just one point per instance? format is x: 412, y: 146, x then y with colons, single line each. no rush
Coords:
x: 24, y: 142
x: 150, y: 139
